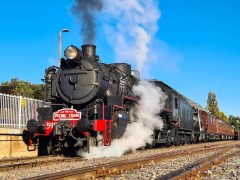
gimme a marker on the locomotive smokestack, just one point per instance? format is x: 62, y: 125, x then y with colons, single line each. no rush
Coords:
x: 89, y: 50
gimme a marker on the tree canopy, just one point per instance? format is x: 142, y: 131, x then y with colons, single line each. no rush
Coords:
x: 235, y: 121
x: 212, y: 103
x: 22, y: 88
x: 223, y: 116
x: 212, y: 106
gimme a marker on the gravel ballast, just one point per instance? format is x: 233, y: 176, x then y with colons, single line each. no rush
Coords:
x: 63, y: 166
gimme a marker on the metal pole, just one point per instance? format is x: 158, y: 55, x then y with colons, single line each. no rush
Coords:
x: 59, y: 48
x: 20, y: 112
x: 60, y: 45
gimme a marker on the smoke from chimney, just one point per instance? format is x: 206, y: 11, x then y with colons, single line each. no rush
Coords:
x: 85, y: 10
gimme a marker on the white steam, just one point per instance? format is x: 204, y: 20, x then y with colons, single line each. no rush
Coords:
x: 145, y: 119
x: 131, y: 28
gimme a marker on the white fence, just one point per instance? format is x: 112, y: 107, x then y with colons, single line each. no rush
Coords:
x: 15, y: 111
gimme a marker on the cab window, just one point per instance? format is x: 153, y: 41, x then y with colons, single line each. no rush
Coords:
x: 176, y: 103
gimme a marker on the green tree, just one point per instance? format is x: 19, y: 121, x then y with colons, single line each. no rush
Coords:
x: 223, y: 116
x: 38, y: 91
x: 22, y: 88
x: 235, y: 121
x: 212, y: 104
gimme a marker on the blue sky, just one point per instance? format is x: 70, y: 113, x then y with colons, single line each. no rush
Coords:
x: 200, y: 41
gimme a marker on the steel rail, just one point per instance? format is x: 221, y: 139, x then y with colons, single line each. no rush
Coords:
x: 14, y: 163
x: 196, y: 170
x: 36, y: 162
x: 118, y: 167
x: 17, y: 159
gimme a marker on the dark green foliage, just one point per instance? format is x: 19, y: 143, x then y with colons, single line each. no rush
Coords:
x: 22, y: 88
x: 38, y: 91
x: 235, y: 121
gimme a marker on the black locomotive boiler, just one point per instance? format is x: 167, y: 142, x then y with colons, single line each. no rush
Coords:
x: 88, y: 103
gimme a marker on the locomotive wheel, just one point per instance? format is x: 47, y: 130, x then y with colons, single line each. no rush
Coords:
x: 72, y: 147
x: 48, y: 146
x: 114, y: 130
x: 177, y: 139
x: 92, y: 142
x: 151, y: 145
x: 54, y: 147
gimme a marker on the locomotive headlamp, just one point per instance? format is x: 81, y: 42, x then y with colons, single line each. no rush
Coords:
x: 71, y: 52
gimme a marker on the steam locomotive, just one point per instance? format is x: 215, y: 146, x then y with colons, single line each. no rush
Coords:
x: 88, y: 103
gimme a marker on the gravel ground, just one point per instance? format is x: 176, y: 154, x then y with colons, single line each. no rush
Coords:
x: 227, y: 170
x: 57, y: 167
x: 154, y: 170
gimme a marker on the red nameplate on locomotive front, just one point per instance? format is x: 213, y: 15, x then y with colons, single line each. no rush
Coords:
x: 67, y: 114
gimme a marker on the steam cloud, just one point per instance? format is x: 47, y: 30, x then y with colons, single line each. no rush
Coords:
x: 145, y: 120
x: 132, y: 26
x: 85, y: 11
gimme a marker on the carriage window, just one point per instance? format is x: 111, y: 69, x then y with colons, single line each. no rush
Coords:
x: 176, y: 103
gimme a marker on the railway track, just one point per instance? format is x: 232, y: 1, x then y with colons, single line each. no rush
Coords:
x: 28, y: 162
x: 197, y: 169
x: 225, y: 170
x: 19, y: 159
x: 118, y: 167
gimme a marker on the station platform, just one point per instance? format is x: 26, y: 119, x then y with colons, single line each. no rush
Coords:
x: 11, y: 144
